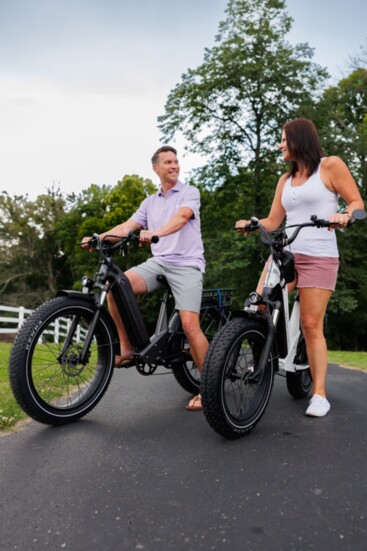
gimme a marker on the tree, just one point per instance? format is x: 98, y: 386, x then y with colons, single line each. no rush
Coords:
x: 99, y: 209
x: 32, y: 261
x: 341, y: 118
x: 231, y: 108
x: 39, y: 251
x: 343, y: 123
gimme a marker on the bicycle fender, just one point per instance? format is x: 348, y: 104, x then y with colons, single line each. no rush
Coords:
x: 249, y: 315
x: 75, y: 294
x: 90, y: 299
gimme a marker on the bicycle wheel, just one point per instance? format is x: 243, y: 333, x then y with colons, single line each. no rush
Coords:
x: 186, y: 372
x: 47, y: 379
x: 233, y: 402
x: 299, y: 383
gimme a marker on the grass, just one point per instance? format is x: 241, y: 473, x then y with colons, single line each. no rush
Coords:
x: 10, y: 412
x: 355, y: 360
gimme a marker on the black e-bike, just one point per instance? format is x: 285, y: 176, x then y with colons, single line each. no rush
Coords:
x: 62, y: 359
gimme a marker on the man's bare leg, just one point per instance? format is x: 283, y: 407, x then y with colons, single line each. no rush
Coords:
x: 198, y: 347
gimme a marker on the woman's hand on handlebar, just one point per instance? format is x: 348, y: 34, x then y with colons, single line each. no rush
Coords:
x: 242, y: 226
x: 87, y: 243
x: 339, y: 220
x: 247, y: 226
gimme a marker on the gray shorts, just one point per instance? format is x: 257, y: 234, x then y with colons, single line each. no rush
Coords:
x: 186, y: 282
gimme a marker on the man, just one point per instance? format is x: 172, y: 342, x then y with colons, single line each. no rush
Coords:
x: 173, y: 215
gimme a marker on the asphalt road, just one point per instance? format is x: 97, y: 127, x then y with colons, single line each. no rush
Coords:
x: 140, y: 473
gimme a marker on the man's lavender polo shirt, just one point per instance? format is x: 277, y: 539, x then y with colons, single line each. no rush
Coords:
x: 184, y: 247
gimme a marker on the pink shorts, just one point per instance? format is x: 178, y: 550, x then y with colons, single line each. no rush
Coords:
x: 316, y: 271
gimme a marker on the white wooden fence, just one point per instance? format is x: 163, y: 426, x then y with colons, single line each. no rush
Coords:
x: 13, y: 318
x: 11, y: 322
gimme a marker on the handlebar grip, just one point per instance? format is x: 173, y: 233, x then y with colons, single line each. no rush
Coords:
x: 93, y: 242
x: 253, y: 225
x: 155, y: 238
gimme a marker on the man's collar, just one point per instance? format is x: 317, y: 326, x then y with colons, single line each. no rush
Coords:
x: 178, y: 185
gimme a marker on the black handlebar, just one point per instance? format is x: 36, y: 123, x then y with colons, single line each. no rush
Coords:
x: 280, y: 238
x: 107, y: 246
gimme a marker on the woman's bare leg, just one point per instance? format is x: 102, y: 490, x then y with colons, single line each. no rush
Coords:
x: 313, y: 304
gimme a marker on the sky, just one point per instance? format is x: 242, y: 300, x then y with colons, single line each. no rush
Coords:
x: 82, y: 82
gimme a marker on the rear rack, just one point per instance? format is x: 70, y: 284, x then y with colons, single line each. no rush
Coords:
x: 220, y: 298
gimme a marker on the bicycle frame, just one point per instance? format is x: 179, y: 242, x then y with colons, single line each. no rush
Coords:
x: 149, y: 351
x: 290, y: 331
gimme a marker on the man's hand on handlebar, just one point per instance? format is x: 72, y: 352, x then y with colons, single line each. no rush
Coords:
x: 94, y: 242
x: 147, y: 237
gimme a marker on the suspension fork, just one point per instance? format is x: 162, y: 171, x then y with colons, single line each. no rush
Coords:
x: 258, y: 375
x: 83, y: 356
x: 69, y: 337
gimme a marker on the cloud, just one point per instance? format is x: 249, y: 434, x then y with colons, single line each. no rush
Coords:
x: 73, y: 139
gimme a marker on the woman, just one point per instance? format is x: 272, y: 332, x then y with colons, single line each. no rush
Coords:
x: 312, y: 186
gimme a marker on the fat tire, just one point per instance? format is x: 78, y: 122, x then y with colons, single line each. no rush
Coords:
x: 299, y: 383
x: 70, y: 390
x: 222, y: 368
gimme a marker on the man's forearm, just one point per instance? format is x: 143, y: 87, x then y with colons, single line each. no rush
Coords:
x: 122, y: 229
x: 174, y: 225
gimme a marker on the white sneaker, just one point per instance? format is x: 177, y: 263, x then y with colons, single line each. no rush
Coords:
x: 318, y: 406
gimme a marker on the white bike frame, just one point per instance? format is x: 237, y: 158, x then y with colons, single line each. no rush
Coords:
x: 292, y: 324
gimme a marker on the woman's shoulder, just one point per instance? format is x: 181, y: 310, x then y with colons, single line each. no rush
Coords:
x: 283, y: 179
x: 331, y: 163
x: 281, y: 184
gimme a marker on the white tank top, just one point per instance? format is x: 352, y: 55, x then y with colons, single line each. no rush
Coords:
x: 300, y: 202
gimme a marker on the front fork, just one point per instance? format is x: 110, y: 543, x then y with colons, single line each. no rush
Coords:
x: 83, y: 356
x: 258, y: 375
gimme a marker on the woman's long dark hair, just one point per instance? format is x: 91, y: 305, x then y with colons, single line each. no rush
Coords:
x: 303, y: 145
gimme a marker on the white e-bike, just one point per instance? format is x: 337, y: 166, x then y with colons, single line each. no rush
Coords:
x: 262, y: 339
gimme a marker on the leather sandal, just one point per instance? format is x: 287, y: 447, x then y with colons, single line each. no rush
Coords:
x: 123, y: 362
x: 194, y: 404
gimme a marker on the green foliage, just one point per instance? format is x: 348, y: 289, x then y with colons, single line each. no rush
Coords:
x: 341, y: 117
x: 32, y: 260
x: 232, y: 260
x: 231, y: 108
x: 342, y: 122
x: 10, y: 412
